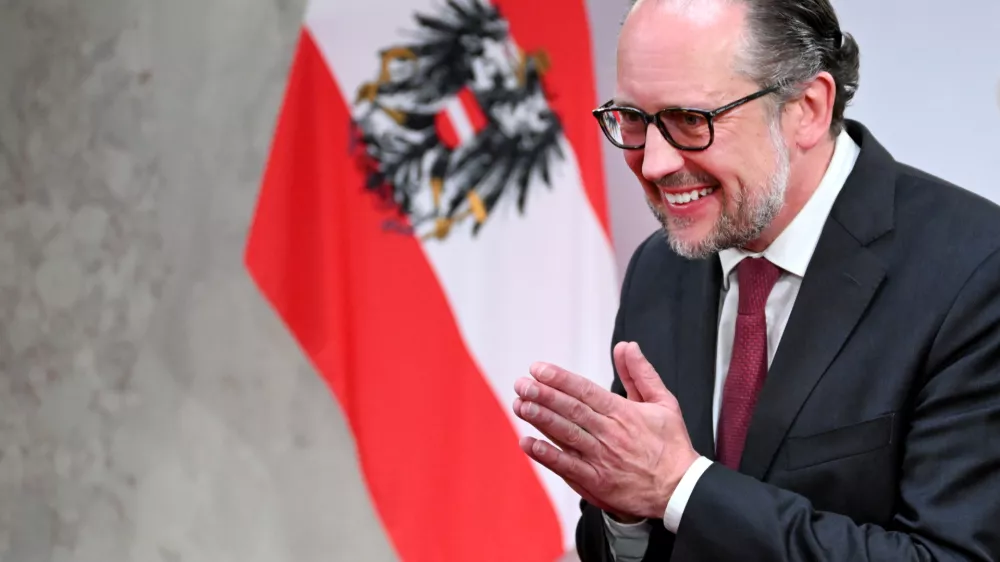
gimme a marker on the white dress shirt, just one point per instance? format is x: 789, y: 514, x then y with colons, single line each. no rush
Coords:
x: 791, y: 252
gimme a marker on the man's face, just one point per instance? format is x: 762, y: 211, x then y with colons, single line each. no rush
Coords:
x: 685, y: 57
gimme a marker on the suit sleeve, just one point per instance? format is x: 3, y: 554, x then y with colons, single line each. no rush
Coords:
x: 591, y: 538
x: 948, y: 505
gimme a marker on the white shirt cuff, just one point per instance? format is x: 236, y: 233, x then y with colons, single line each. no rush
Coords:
x: 627, y: 541
x: 678, y: 501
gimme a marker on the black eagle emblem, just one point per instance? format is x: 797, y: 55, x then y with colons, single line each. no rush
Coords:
x: 437, y: 169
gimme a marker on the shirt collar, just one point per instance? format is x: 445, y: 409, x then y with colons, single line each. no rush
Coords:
x: 794, y: 247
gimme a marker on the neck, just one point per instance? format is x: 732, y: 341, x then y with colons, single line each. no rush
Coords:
x: 808, y: 172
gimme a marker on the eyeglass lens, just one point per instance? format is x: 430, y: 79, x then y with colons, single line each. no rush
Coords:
x: 627, y: 127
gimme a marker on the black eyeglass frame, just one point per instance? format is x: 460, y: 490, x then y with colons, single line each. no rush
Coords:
x: 655, y: 119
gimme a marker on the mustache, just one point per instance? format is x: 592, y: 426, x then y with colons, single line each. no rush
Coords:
x: 685, y: 179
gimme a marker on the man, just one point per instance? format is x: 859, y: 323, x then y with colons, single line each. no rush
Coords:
x: 807, y: 358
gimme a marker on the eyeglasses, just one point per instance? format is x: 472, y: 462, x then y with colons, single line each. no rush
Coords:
x: 684, y: 128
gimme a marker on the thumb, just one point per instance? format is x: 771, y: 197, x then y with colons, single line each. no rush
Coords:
x: 621, y: 365
x: 644, y: 377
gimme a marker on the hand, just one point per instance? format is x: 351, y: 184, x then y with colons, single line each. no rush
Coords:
x: 624, y: 456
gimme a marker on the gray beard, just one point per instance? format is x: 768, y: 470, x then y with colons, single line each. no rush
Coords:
x: 741, y: 225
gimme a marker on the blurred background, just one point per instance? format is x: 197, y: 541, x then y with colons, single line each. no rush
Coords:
x: 152, y: 406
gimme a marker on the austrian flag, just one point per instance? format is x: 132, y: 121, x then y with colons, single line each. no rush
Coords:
x: 432, y: 220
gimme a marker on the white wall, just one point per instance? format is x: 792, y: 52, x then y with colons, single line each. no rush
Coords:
x: 930, y: 84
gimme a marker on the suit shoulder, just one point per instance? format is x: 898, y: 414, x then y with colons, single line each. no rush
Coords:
x: 653, y: 252
x: 653, y: 265
x: 945, y: 216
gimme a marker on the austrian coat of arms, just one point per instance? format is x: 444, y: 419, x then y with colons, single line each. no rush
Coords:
x: 437, y: 169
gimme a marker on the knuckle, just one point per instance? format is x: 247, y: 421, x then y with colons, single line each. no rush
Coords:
x: 577, y: 411
x: 575, y: 435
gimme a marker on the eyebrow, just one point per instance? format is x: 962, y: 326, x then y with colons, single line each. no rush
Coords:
x: 623, y: 102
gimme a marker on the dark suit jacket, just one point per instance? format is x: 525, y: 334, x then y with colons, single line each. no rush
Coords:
x: 877, y: 433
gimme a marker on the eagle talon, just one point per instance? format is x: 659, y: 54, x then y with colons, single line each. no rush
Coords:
x: 437, y: 187
x: 442, y: 227
x: 478, y: 207
x: 367, y: 92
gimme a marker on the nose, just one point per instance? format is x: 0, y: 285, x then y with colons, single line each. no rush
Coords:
x: 659, y: 158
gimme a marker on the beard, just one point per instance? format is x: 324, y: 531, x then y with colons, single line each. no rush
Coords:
x: 750, y: 213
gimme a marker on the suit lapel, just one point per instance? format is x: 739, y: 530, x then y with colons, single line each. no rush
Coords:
x: 844, y: 275
x: 695, y: 350
x: 841, y: 281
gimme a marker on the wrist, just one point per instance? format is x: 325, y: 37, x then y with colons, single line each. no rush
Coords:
x: 625, y: 519
x: 670, y: 483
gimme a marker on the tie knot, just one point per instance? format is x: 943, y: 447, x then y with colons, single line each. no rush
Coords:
x: 757, y: 278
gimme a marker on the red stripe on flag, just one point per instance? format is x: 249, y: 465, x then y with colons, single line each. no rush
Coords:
x: 471, y: 106
x: 439, y: 455
x: 446, y: 131
x: 562, y: 31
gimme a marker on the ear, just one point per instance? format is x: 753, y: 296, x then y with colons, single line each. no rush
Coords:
x: 815, y: 110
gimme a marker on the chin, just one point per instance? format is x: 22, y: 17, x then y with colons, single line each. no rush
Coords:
x: 692, y: 241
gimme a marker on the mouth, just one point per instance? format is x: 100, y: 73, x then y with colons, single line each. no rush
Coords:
x: 682, y: 198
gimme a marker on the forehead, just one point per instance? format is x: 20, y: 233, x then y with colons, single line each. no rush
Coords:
x: 679, y: 52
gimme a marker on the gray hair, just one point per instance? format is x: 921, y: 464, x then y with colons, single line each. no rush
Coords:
x: 788, y: 42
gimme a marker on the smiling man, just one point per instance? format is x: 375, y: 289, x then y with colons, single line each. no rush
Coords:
x: 807, y: 356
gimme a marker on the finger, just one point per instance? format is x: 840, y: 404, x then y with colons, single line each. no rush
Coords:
x: 623, y: 374
x: 644, y: 376
x: 598, y: 399
x: 558, y: 429
x: 570, y: 408
x: 517, y: 411
x: 587, y: 496
x: 566, y: 466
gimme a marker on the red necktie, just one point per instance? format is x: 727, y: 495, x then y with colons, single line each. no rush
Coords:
x: 748, y: 365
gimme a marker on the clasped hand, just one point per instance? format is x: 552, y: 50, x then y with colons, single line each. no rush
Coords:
x: 623, y: 455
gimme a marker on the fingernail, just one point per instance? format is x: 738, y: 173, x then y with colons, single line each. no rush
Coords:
x: 531, y: 392
x: 539, y: 449
x: 530, y: 410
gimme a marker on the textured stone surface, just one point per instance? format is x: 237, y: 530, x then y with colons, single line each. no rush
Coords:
x: 152, y: 408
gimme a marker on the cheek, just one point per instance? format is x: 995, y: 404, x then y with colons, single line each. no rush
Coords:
x: 746, y: 167
x: 726, y: 169
x: 633, y: 158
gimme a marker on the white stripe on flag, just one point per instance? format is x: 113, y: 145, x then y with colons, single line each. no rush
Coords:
x: 459, y: 120
x: 541, y: 286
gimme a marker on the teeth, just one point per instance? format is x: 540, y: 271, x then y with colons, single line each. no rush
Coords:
x: 682, y: 198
